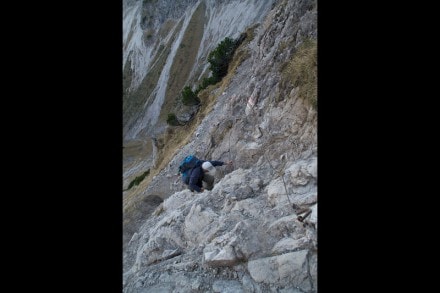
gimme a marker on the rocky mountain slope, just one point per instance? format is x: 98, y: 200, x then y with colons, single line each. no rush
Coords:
x: 256, y: 231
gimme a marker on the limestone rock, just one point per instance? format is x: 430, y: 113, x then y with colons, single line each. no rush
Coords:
x: 282, y: 269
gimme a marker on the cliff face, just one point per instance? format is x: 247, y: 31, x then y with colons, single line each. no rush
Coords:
x: 247, y: 234
x: 166, y: 44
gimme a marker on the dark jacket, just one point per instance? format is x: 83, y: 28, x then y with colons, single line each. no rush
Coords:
x: 196, y: 177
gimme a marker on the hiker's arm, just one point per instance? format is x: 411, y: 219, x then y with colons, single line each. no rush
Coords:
x: 194, y: 179
x: 220, y: 163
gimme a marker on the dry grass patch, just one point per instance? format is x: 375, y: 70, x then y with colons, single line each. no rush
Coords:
x: 241, y: 54
x: 301, y: 72
x: 133, y: 102
x: 183, y: 61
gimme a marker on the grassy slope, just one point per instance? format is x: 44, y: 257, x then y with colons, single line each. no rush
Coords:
x: 133, y: 102
x: 184, y: 61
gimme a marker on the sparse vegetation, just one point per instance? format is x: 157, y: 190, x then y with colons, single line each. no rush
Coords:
x: 138, y: 179
x: 184, y: 61
x: 219, y: 60
x: 133, y: 101
x: 172, y: 119
x: 240, y: 55
x: 220, y: 57
x: 301, y: 72
x: 205, y: 83
x: 189, y: 98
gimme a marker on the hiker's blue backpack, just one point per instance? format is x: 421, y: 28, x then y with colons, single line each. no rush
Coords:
x: 187, y: 165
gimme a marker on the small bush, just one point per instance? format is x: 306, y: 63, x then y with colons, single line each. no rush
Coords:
x: 172, y: 120
x: 219, y: 60
x: 138, y: 179
x: 189, y: 98
x: 221, y: 56
x: 207, y: 81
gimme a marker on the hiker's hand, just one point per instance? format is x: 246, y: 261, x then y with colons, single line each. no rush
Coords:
x: 202, y: 189
x: 229, y: 163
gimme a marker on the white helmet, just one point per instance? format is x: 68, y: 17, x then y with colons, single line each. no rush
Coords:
x: 207, y: 166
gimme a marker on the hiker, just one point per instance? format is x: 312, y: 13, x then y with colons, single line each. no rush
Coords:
x: 202, y: 177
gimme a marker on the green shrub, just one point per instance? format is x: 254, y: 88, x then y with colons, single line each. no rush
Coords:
x: 138, y: 179
x: 220, y: 57
x: 172, y: 119
x: 205, y: 83
x: 189, y: 98
x: 219, y: 60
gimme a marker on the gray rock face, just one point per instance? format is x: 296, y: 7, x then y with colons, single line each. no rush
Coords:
x: 244, y: 234
x: 288, y: 268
